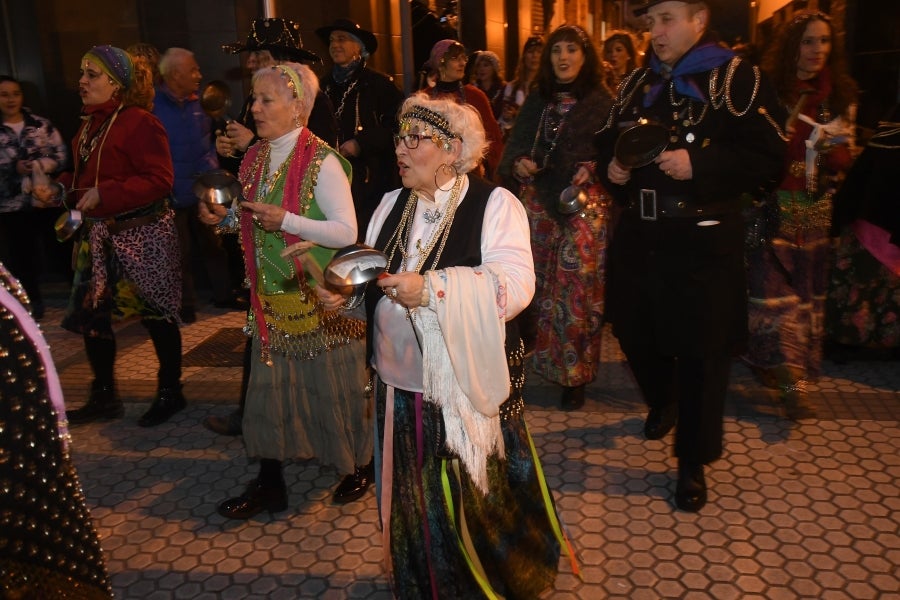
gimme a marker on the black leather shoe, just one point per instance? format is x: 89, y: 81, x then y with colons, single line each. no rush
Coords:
x: 354, y: 485
x: 660, y: 421
x: 690, y: 492
x: 102, y: 405
x: 255, y: 499
x: 572, y: 397
x: 168, y: 402
x: 230, y: 425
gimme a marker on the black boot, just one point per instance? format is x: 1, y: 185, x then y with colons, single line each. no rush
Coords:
x: 102, y: 404
x: 354, y: 485
x: 690, y: 492
x: 255, y: 499
x: 572, y: 397
x: 266, y: 492
x: 168, y: 401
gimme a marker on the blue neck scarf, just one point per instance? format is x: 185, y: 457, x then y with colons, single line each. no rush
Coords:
x: 342, y: 74
x: 699, y: 59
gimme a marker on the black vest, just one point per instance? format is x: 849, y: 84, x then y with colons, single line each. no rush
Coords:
x: 463, y: 247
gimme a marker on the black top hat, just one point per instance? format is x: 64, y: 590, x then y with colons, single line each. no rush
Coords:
x: 367, y: 37
x: 282, y: 35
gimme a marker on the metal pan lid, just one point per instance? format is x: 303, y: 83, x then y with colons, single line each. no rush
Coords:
x: 354, y: 265
x: 217, y: 186
x: 639, y: 145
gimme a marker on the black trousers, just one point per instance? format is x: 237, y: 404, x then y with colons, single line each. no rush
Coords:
x: 698, y: 387
x: 166, y: 337
x: 196, y: 235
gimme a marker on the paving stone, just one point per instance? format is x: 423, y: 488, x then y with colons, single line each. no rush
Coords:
x: 809, y: 509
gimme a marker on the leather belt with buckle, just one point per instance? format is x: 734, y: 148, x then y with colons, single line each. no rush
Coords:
x: 653, y: 206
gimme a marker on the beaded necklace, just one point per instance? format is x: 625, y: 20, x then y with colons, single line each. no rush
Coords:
x: 87, y: 146
x: 399, y: 240
x: 267, y: 183
x: 267, y: 180
x: 551, y: 126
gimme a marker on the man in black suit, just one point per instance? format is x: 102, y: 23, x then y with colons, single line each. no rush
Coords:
x: 676, y: 291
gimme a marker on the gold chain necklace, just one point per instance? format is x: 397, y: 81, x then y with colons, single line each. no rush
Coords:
x: 400, y: 237
x: 267, y: 181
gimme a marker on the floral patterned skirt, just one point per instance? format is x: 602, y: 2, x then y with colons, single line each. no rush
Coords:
x: 570, y: 269
x: 863, y: 304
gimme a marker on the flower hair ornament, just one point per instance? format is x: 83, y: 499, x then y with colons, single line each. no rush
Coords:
x: 434, y: 124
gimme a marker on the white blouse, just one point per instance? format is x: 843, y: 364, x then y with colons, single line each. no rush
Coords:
x: 505, y: 247
x: 332, y: 192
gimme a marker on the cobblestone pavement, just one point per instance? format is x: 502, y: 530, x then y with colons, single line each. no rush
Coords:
x: 797, y: 510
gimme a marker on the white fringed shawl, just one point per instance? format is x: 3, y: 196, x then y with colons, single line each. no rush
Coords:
x: 464, y: 361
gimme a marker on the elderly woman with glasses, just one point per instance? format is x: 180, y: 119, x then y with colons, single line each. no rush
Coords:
x: 306, y: 394
x: 443, y: 342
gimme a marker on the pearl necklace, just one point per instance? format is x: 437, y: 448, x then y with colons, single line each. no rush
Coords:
x: 400, y: 237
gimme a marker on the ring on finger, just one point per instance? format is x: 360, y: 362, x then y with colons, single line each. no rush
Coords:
x: 393, y: 292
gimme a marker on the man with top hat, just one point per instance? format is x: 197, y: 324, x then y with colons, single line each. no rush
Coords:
x: 676, y: 290
x: 271, y: 41
x: 365, y: 105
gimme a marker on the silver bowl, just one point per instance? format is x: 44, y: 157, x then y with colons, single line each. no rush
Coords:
x: 572, y: 199
x: 352, y: 267
x: 217, y: 186
x: 67, y: 224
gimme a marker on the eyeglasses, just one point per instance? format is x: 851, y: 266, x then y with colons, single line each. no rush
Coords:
x: 410, y: 140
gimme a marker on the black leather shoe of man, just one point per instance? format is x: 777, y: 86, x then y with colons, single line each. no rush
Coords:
x: 660, y: 421
x: 255, y: 499
x: 230, y: 425
x: 102, y: 405
x: 572, y: 397
x: 690, y: 492
x: 354, y: 485
x: 168, y: 402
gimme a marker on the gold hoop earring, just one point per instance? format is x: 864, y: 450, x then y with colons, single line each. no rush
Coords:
x: 444, y: 168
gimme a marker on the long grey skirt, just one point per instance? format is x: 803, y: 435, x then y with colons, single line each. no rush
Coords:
x: 311, y: 408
